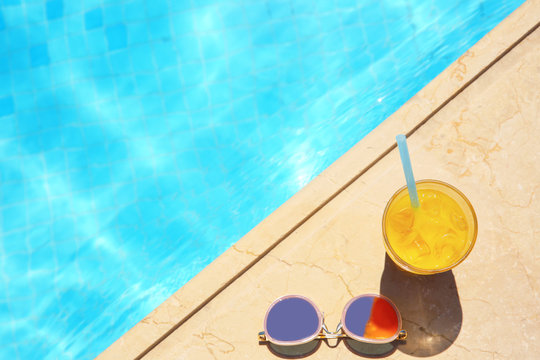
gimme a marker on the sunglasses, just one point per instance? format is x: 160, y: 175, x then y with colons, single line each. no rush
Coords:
x: 295, y: 320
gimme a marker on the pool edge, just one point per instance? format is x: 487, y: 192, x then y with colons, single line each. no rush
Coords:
x: 173, y: 312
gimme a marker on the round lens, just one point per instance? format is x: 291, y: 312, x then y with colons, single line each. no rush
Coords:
x: 292, y: 319
x: 371, y: 318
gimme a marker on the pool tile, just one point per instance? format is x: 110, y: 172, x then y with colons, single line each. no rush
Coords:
x: 13, y: 217
x: 333, y: 42
x: 141, y: 58
x: 26, y: 123
x: 311, y: 46
x: 55, y: 9
x: 39, y: 34
x: 132, y: 10
x: 244, y: 109
x: 63, y: 229
x: 116, y: 36
x: 80, y: 180
x: 17, y: 38
x: 137, y: 33
x: 78, y: 159
x: 39, y: 213
x: 212, y: 46
x: 100, y: 175
x: 268, y: 103
x: 8, y: 127
x: 112, y: 14
x: 2, y: 22
x: 165, y: 54
x: 41, y: 80
x: 255, y: 13
x: 117, y: 151
x: 196, y: 98
x: 7, y: 106
x: 182, y: 23
x: 58, y: 50
x: 77, y: 46
x: 106, y: 86
x: 265, y: 57
x: 74, y: 25
x: 93, y: 134
x: 159, y: 29
x: 180, y: 5
x: 120, y: 62
x: 12, y: 245
x: 169, y: 185
x: 240, y: 63
x: 150, y: 211
x: 202, y: 118
x: 100, y: 67
x: 48, y: 140
x: 147, y: 189
x: 159, y: 8
x: 192, y: 74
x: 20, y: 60
x: 206, y: 19
x: 14, y: 16
x: 169, y: 80
x: 5, y: 86
x: 146, y: 84
x: 125, y: 194
x: 188, y: 48
x: 187, y: 160
x: 220, y: 93
x: 10, y: 170
x: 57, y: 28
x: 131, y: 109
x: 55, y: 161
x: 97, y: 154
x: 153, y: 105
x: 96, y: 42
x: 160, y: 146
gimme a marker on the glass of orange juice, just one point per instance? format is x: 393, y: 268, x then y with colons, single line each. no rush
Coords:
x: 433, y: 238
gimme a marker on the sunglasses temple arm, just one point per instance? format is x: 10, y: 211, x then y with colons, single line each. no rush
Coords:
x: 261, y: 336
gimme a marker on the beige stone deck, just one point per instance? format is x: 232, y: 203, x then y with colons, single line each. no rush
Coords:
x: 476, y: 126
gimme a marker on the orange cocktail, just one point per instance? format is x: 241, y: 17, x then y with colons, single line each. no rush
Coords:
x: 434, y: 237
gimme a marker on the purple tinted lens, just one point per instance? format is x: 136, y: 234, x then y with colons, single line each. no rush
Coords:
x: 358, y: 315
x: 372, y: 317
x: 292, y: 319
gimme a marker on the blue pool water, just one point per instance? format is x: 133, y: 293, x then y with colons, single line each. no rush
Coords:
x: 140, y: 139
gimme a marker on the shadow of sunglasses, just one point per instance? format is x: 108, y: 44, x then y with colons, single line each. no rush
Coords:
x: 294, y: 320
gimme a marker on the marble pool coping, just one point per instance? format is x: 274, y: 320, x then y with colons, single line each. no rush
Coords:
x: 289, y: 217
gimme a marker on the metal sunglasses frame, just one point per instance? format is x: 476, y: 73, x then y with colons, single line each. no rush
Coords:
x: 341, y: 331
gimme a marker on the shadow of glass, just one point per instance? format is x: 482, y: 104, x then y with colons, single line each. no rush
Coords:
x: 294, y: 351
x: 429, y: 305
x: 370, y: 350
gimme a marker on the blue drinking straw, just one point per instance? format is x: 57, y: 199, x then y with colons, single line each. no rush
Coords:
x: 407, y: 169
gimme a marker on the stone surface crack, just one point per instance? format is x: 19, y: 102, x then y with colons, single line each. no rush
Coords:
x: 429, y: 333
x: 476, y: 299
x: 247, y: 252
x: 214, y: 343
x: 311, y: 266
x: 460, y: 70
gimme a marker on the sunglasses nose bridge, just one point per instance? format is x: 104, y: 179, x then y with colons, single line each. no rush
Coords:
x: 332, y: 334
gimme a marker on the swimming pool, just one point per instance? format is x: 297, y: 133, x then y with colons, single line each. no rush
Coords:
x: 140, y: 139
